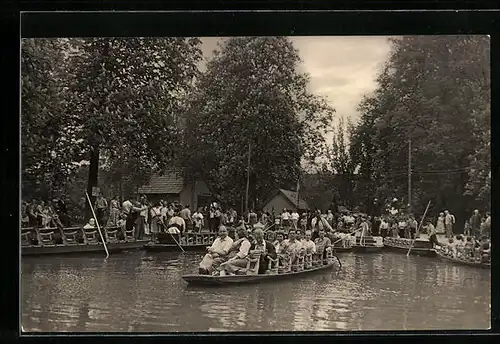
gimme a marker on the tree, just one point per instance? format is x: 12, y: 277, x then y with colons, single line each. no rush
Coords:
x: 339, y: 170
x: 49, y: 148
x: 126, y: 97
x: 251, y: 94
x: 430, y: 91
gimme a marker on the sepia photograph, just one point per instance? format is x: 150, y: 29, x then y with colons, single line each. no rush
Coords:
x: 255, y: 184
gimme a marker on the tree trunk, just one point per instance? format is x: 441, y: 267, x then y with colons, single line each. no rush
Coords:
x: 92, y: 179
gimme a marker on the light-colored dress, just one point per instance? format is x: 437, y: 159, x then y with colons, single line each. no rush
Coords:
x: 440, y: 229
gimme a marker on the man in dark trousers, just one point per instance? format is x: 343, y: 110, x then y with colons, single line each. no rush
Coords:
x: 475, y: 224
x: 268, y: 250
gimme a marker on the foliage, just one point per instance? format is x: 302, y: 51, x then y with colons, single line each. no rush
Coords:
x: 252, y: 94
x: 49, y: 147
x: 431, y: 91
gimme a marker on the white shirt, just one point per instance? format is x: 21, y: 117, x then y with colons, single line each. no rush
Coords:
x: 285, y: 216
x: 384, y: 225
x: 244, y: 248
x: 198, y: 218
x: 127, y: 206
x: 222, y: 244
x: 164, y: 211
x: 402, y: 224
x: 449, y: 219
x: 348, y: 219
x: 295, y: 216
x: 177, y: 220
x: 309, y: 245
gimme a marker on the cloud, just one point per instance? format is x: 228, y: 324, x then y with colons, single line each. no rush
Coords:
x: 341, y: 68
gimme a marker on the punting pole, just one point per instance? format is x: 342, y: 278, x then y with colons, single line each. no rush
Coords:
x: 97, y: 223
x: 418, y: 229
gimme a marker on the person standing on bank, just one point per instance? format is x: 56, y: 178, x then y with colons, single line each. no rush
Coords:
x: 449, y: 221
x: 100, y: 205
x: 440, y: 229
x: 475, y: 224
x: 131, y: 213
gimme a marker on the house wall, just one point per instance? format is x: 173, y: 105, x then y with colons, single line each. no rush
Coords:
x: 195, y: 194
x: 279, y: 202
x: 166, y: 197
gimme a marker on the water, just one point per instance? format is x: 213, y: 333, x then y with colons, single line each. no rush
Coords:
x: 144, y: 292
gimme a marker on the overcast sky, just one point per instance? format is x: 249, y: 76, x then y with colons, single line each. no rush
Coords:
x: 341, y: 68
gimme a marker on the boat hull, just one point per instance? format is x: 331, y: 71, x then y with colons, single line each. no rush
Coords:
x: 463, y: 262
x: 207, y: 280
x: 367, y: 249
x: 343, y: 249
x: 153, y: 247
x: 417, y: 251
x: 38, y: 250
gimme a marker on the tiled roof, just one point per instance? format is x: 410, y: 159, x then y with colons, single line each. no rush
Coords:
x: 292, y: 197
x: 170, y: 182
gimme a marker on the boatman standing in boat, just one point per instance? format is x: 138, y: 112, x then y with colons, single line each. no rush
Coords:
x: 176, y: 226
x: 237, y: 255
x: 217, y: 253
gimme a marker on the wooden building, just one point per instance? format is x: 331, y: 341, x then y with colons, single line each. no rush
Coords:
x: 172, y: 186
x: 284, y: 199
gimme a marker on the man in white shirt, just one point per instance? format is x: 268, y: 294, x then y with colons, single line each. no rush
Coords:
x: 295, y: 219
x: 176, y: 224
x: 239, y: 260
x: 308, y: 244
x: 285, y: 218
x: 198, y: 220
x: 329, y: 217
x: 449, y: 221
x: 217, y: 253
x: 131, y: 213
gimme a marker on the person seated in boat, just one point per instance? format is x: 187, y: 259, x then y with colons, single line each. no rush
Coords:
x: 279, y: 243
x: 90, y: 224
x: 217, y: 253
x: 450, y: 248
x: 293, y: 245
x: 237, y: 256
x: 266, y: 249
x: 322, y: 242
x: 486, y: 253
x: 469, y: 248
x: 308, y: 244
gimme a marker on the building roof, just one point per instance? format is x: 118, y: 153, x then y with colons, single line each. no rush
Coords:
x: 292, y: 197
x: 171, y: 182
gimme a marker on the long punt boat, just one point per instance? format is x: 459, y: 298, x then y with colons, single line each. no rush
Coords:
x: 305, y: 265
x: 420, y: 247
x: 459, y: 261
x: 368, y: 244
x: 188, y: 241
x: 45, y: 241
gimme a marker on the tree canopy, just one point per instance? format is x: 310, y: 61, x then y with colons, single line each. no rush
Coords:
x: 252, y: 94
x: 434, y: 91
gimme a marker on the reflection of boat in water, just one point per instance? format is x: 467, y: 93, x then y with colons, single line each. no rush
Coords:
x: 419, y: 247
x: 368, y: 244
x: 188, y: 241
x: 304, y: 265
x: 459, y: 261
x: 45, y: 241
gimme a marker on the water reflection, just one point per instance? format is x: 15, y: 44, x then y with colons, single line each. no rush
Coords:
x: 140, y: 291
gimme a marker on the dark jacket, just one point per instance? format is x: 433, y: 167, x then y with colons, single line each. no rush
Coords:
x: 264, y: 260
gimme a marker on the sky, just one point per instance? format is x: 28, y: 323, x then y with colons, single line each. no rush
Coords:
x: 342, y: 69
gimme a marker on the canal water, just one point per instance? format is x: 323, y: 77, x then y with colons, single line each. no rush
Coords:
x: 144, y: 292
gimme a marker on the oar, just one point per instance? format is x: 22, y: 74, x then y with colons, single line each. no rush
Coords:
x: 418, y: 229
x: 98, y: 227
x: 166, y: 230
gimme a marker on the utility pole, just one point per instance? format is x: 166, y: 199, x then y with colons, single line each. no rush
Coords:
x: 248, y: 176
x: 298, y: 181
x: 409, y: 175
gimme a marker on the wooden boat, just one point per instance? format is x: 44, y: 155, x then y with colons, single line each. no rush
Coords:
x: 305, y: 265
x: 45, y: 241
x: 420, y: 247
x: 188, y: 241
x: 459, y: 261
x: 369, y: 244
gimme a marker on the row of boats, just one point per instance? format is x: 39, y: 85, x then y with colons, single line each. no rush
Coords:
x: 56, y: 241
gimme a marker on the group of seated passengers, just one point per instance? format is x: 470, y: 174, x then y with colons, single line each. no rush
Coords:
x: 467, y: 249
x: 228, y: 257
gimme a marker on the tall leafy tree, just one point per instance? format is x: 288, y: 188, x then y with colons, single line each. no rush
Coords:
x: 252, y: 95
x: 430, y: 92
x: 127, y: 96
x: 49, y: 146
